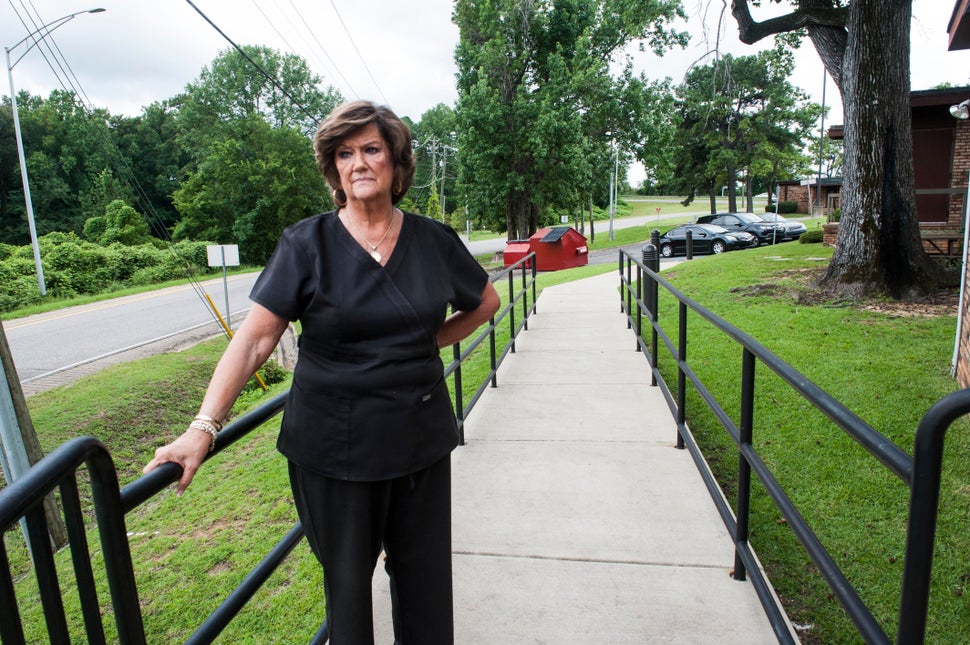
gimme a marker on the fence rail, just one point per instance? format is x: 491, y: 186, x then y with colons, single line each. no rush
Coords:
x: 23, y: 499
x: 641, y: 286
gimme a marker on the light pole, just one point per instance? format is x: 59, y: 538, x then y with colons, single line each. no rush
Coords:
x: 41, y: 32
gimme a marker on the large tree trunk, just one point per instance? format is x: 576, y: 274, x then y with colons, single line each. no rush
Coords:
x: 879, y: 249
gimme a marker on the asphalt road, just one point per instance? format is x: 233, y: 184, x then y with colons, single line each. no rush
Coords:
x: 56, y: 347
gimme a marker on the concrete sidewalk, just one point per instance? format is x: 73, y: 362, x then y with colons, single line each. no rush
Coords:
x: 575, y: 518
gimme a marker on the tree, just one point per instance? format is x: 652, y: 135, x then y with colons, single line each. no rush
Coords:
x: 251, y: 185
x: 233, y: 88
x: 740, y: 117
x: 67, y: 148
x: 864, y: 45
x: 154, y: 160
x: 532, y: 119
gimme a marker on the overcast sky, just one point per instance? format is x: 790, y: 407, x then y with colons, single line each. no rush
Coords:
x: 399, y: 53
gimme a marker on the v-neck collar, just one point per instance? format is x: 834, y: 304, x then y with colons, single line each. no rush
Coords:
x: 363, y: 255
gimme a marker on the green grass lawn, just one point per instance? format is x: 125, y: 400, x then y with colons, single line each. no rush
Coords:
x: 887, y: 363
x: 883, y: 362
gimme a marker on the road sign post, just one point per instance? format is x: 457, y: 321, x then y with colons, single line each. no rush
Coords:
x: 223, y: 255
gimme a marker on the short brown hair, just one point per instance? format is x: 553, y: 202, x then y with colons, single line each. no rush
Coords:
x: 347, y: 119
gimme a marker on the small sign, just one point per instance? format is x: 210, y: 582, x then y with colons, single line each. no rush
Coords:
x: 564, y: 219
x: 222, y: 255
x: 658, y: 210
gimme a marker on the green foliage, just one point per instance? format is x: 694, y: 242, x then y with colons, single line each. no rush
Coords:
x: 249, y: 187
x: 739, y: 117
x: 433, y: 207
x: 787, y: 208
x: 73, y: 267
x: 540, y: 114
x: 811, y: 237
x: 121, y: 223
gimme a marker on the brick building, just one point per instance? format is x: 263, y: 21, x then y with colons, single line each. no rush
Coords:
x: 805, y: 193
x: 959, y: 33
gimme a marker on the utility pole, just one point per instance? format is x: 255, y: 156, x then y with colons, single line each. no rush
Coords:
x: 444, y: 162
x: 20, y: 448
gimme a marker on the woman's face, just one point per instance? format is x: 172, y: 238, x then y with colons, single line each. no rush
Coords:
x: 365, y: 165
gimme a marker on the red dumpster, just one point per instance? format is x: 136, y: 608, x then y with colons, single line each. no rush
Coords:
x: 559, y: 247
x: 515, y: 250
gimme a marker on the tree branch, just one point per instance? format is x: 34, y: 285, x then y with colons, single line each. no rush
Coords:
x: 803, y: 17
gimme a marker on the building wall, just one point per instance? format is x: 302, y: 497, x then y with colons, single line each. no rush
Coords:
x: 961, y: 169
x: 804, y: 195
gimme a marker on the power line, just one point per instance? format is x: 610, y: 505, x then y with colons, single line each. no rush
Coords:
x: 363, y: 62
x: 267, y: 75
x: 324, y: 50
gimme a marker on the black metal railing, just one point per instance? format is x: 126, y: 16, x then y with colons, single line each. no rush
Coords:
x: 641, y: 286
x: 23, y: 500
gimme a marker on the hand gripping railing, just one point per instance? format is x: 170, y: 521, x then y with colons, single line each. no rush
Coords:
x: 639, y: 299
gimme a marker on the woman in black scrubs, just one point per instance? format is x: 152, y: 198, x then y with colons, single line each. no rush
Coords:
x: 368, y: 427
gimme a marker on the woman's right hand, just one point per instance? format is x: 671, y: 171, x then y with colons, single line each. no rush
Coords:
x: 188, y: 451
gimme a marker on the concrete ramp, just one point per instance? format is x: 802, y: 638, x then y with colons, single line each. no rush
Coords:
x: 576, y: 520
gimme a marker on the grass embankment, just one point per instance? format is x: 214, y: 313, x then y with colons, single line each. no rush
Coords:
x: 886, y: 362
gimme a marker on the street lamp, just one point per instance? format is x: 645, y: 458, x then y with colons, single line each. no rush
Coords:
x: 41, y: 32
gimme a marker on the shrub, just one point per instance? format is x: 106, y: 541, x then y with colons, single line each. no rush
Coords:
x: 811, y: 237
x: 787, y: 207
x: 770, y: 208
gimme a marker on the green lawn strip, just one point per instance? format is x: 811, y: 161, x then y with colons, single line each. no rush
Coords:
x: 885, y: 366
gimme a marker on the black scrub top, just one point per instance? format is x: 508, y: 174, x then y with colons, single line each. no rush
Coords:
x: 369, y: 400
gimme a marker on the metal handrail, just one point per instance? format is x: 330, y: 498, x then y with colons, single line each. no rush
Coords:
x: 639, y: 299
x: 24, y: 499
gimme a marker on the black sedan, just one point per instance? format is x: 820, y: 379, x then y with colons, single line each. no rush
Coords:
x: 706, y: 238
x: 765, y: 232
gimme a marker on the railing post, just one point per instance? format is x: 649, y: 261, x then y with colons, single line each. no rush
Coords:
x: 745, y: 434
x: 690, y: 245
x: 493, y: 361
x: 525, y: 302
x: 649, y: 291
x: 655, y: 240
x: 681, y: 374
x: 639, y: 298
x: 620, y: 260
x: 459, y: 400
x: 534, y: 269
x: 629, y: 294
x: 512, y: 309
x: 924, y: 502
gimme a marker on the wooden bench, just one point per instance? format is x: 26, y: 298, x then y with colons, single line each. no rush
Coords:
x: 947, y: 242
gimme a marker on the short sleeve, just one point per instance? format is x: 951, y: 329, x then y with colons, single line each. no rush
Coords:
x: 285, y: 285
x: 467, y: 275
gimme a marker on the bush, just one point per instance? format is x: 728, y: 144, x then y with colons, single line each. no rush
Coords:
x: 73, y: 267
x: 770, y: 208
x: 811, y: 237
x: 786, y: 208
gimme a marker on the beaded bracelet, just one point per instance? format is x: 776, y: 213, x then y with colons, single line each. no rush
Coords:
x: 208, y: 428
x: 215, y: 422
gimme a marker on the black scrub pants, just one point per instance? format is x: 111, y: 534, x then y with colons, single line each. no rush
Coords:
x: 346, y: 525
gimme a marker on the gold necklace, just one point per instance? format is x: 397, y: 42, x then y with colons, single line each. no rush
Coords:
x: 373, y: 252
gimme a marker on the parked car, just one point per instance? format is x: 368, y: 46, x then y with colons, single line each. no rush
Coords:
x: 765, y: 232
x: 793, y: 229
x: 705, y: 238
